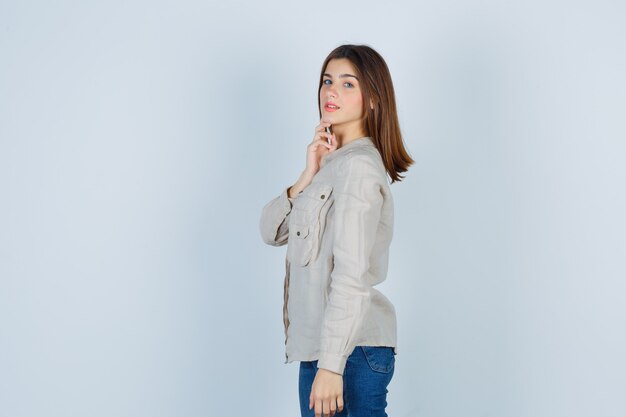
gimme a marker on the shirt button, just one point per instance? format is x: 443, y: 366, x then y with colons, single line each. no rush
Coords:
x: 298, y: 233
x: 322, y: 196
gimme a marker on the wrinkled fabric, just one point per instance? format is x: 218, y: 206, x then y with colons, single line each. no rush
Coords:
x: 337, y: 231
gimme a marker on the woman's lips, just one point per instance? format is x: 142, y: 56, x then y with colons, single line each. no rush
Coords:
x: 330, y: 109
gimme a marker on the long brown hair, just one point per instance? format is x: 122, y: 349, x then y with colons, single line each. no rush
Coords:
x: 381, y: 122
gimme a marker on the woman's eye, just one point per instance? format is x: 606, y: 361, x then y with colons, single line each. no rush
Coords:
x: 349, y: 84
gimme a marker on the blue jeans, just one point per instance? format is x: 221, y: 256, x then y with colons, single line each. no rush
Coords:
x: 368, y: 371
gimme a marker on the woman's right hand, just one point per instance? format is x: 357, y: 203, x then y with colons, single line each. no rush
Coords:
x: 316, y: 151
x: 319, y: 148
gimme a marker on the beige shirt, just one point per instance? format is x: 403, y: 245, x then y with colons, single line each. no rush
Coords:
x: 338, y: 231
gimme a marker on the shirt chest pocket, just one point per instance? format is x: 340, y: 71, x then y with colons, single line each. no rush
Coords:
x: 307, y: 223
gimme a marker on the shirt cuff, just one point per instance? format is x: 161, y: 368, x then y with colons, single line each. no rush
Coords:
x: 333, y: 362
x: 291, y: 198
x: 284, y: 196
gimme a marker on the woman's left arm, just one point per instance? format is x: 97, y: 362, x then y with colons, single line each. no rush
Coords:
x: 358, y: 204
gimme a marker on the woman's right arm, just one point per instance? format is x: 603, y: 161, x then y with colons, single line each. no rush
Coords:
x: 274, y: 223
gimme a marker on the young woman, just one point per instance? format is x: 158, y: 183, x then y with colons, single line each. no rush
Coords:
x: 337, y: 222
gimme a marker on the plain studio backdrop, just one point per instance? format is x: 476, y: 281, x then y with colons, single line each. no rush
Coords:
x: 139, y: 141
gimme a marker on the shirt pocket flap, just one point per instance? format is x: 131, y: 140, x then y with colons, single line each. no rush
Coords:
x: 314, y: 196
x: 301, y: 231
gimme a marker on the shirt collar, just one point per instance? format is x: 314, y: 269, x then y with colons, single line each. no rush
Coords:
x: 364, y: 141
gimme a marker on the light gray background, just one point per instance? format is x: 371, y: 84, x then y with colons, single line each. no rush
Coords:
x: 139, y: 141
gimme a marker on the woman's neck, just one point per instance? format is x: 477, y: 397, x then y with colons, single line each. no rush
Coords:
x: 345, y: 136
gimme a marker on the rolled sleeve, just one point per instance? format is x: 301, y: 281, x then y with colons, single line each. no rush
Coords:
x: 274, y: 222
x: 358, y: 204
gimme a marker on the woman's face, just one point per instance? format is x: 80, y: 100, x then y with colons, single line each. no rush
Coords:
x: 341, y: 88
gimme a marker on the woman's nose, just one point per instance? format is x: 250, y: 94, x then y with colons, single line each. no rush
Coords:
x: 331, y: 93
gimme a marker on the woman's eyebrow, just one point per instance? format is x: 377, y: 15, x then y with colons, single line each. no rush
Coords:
x: 342, y: 76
